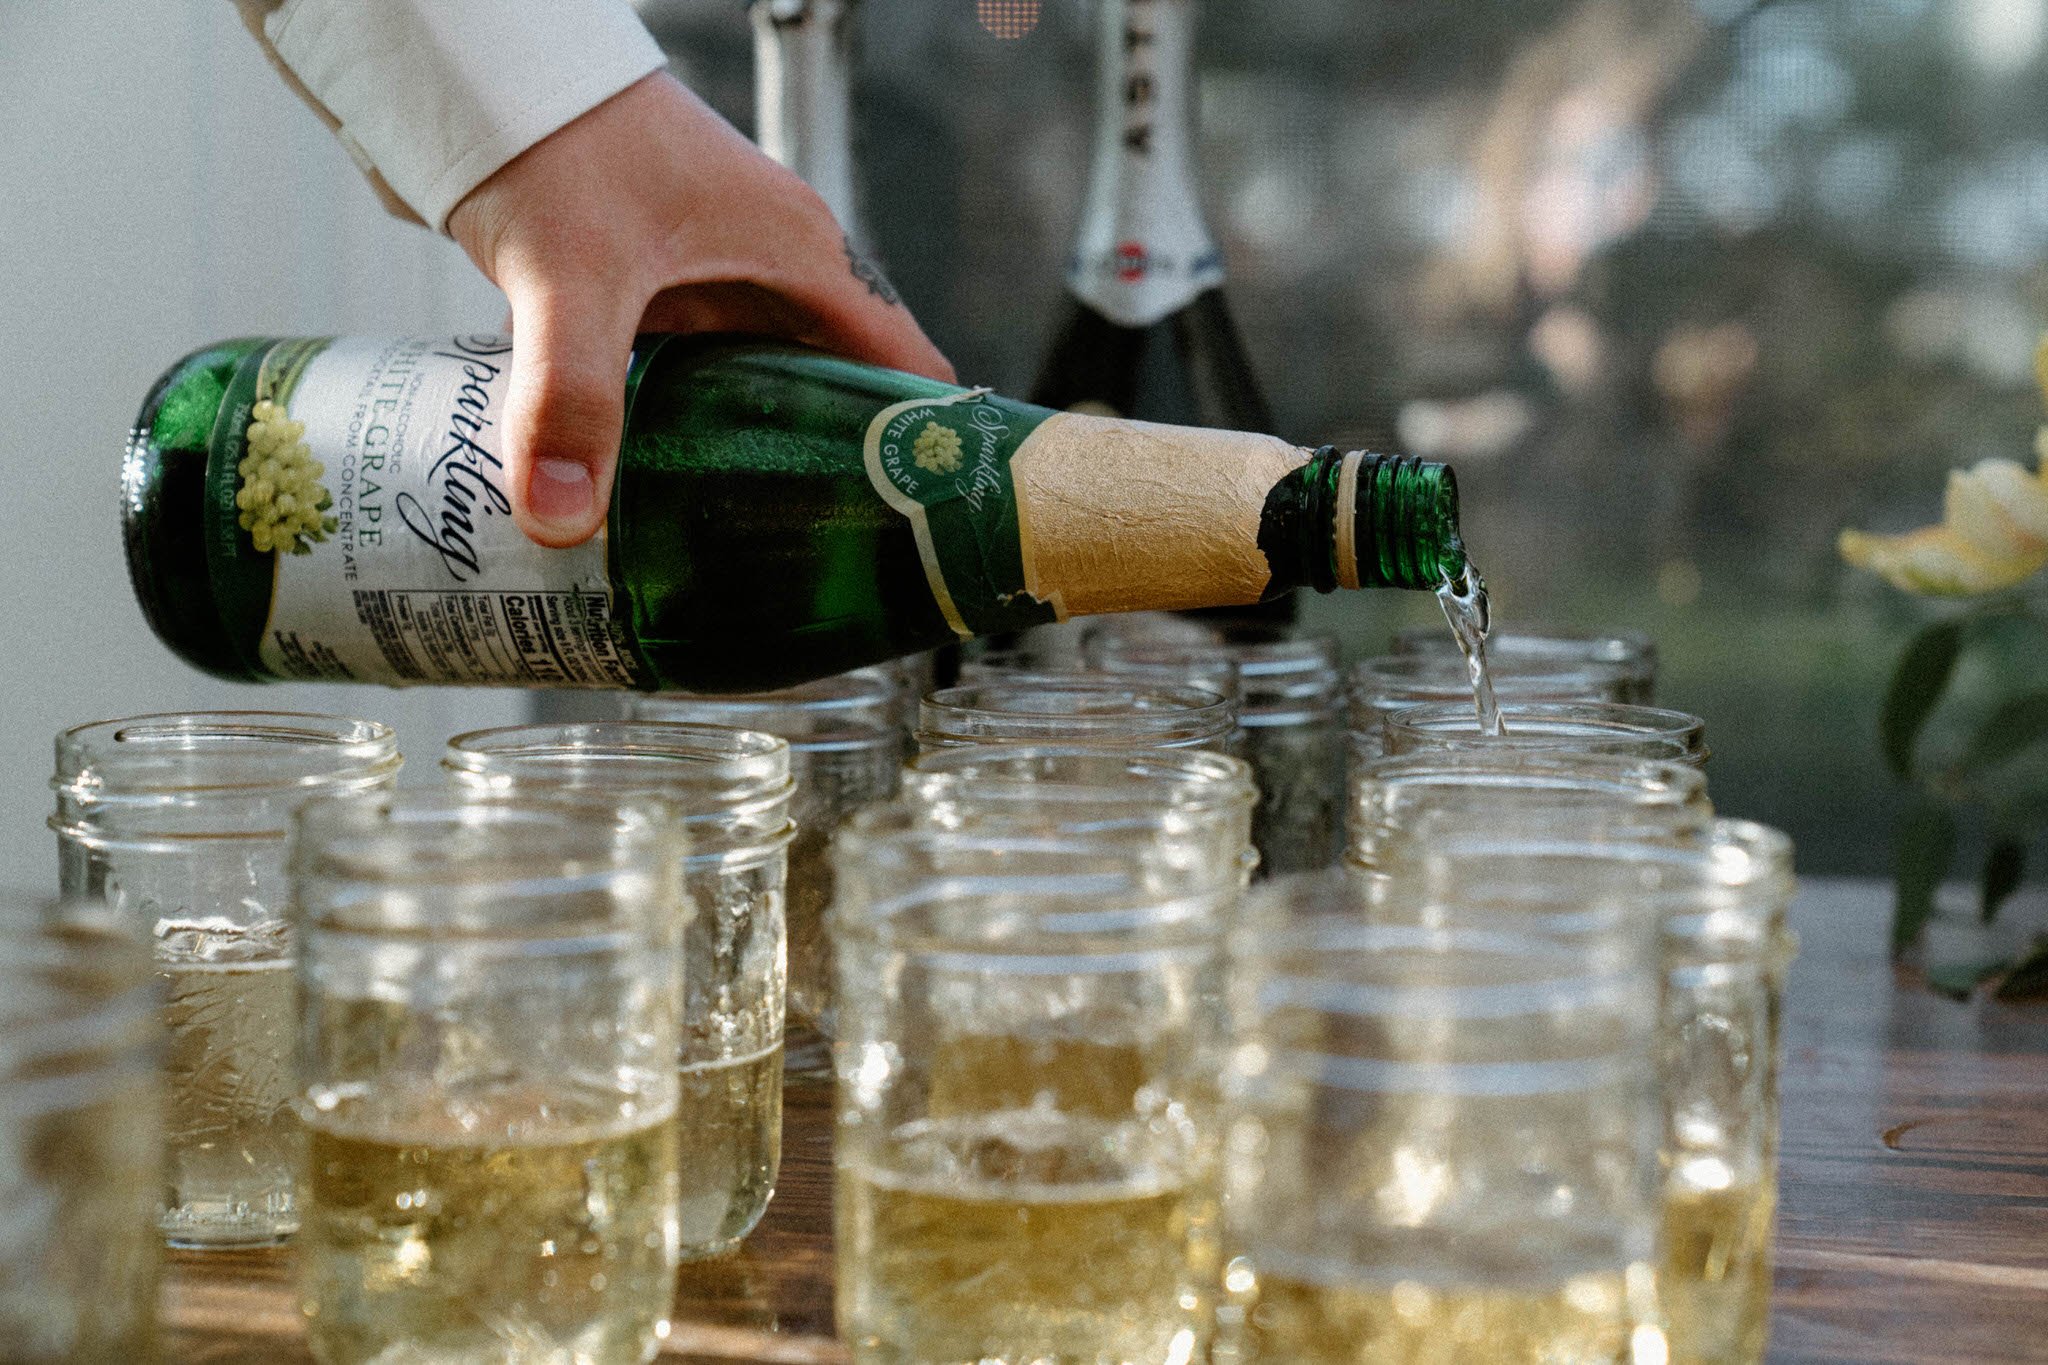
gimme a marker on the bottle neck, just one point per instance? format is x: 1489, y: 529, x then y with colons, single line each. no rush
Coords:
x: 1352, y: 519
x: 1144, y: 251
x: 803, y: 98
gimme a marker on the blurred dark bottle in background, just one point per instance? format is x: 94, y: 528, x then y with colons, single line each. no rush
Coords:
x: 1146, y: 332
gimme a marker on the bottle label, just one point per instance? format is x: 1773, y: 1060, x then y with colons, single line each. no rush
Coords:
x: 1144, y: 251
x: 413, y: 570
x: 944, y: 463
x: 1119, y: 515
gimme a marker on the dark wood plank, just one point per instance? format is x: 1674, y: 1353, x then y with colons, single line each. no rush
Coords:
x: 1913, y: 1223
x: 1913, y: 1226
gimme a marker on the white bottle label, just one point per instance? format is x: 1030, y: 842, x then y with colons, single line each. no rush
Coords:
x: 1144, y: 251
x: 422, y: 575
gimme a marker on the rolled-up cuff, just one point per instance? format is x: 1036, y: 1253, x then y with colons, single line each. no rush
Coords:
x: 438, y: 94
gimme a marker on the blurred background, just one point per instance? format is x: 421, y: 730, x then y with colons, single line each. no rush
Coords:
x: 1681, y: 287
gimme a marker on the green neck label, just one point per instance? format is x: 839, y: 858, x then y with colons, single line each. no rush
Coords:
x: 944, y: 463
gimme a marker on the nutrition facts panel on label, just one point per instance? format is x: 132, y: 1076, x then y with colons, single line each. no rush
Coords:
x: 553, y: 639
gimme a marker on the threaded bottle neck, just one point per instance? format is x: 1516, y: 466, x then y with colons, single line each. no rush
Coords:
x: 1379, y: 521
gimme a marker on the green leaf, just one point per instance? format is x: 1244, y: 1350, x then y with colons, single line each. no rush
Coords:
x: 2004, y: 865
x: 2015, y: 725
x: 2028, y: 979
x: 1926, y: 848
x: 1916, y: 687
x: 1958, y: 980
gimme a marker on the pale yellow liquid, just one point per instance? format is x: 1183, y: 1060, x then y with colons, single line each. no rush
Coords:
x: 231, y: 1137
x: 1011, y: 1274
x: 544, y: 1253
x: 810, y: 946
x: 1057, y: 1205
x: 729, y: 1129
x: 1300, y: 1322
x: 1715, y: 1281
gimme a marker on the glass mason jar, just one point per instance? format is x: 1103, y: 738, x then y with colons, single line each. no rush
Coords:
x: 489, y: 996
x: 1067, y: 788
x: 1288, y: 710
x: 1718, y: 905
x: 1443, y: 1142
x: 1093, y: 712
x: 1028, y: 1104
x: 1379, y: 687
x: 1062, y: 646
x: 1632, y: 653
x: 846, y: 740
x: 1554, y: 727
x: 80, y: 1138
x: 182, y: 822
x: 1470, y: 791
x: 1726, y: 953
x: 1218, y: 674
x: 731, y: 791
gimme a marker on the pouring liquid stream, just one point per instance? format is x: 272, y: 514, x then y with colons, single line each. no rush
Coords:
x: 1465, y: 606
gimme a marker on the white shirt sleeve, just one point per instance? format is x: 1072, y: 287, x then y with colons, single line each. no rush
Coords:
x: 432, y: 96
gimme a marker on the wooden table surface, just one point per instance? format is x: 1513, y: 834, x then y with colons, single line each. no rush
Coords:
x: 1913, y: 1223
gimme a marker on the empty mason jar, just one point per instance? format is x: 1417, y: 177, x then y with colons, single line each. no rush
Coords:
x: 1216, y: 673
x: 1061, y: 646
x: 80, y: 1130
x: 731, y: 791
x: 1027, y: 1140
x: 1078, y: 709
x: 1540, y: 648
x: 845, y: 750
x: 1289, y: 712
x: 182, y: 822
x: 1553, y: 727
x: 1379, y: 687
x: 1443, y: 1142
x: 489, y: 994
x: 1474, y: 790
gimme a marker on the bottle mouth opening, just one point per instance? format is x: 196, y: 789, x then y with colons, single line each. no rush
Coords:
x: 1394, y: 522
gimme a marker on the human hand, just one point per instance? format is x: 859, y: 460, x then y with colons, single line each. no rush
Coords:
x: 651, y: 213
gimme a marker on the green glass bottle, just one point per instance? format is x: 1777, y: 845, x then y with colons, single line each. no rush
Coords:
x: 335, y: 509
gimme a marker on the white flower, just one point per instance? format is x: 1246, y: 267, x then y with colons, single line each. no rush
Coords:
x: 1993, y: 532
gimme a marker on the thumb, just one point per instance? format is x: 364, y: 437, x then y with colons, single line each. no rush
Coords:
x: 566, y: 410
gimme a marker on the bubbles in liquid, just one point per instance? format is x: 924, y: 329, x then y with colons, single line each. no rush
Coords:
x: 1465, y: 606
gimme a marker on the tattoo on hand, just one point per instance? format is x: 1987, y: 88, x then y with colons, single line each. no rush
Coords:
x: 870, y: 274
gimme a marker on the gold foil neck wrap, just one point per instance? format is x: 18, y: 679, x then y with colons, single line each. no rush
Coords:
x: 1117, y: 515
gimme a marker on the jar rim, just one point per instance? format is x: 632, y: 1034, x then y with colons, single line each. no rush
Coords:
x: 1106, y: 709
x: 1080, y: 776
x: 1482, y: 767
x: 844, y: 711
x: 726, y: 766
x: 1282, y: 679
x: 1622, y: 646
x: 1369, y: 678
x: 1541, y: 725
x: 1023, y: 893
x: 1733, y: 884
x: 389, y: 863
x: 205, y: 754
